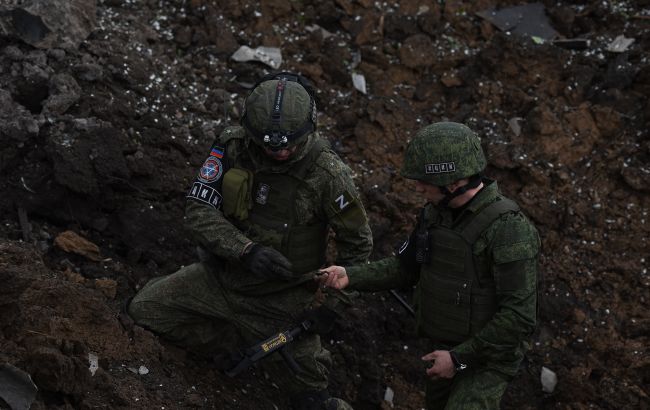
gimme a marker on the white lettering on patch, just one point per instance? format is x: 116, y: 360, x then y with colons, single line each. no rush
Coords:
x: 440, y: 168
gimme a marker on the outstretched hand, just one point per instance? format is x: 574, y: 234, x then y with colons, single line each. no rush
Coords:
x: 442, y: 365
x: 333, y: 277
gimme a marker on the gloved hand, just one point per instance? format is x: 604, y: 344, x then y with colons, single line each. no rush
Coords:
x: 267, y: 262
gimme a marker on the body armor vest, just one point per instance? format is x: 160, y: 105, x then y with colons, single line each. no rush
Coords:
x: 272, y: 220
x: 457, y: 296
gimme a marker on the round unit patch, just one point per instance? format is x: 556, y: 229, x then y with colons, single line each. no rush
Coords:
x: 211, y: 170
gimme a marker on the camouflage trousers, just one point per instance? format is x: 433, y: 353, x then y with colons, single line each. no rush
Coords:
x: 479, y: 389
x: 192, y: 308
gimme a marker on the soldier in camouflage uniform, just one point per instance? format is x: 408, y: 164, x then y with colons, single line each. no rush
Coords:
x: 473, y: 258
x: 261, y: 208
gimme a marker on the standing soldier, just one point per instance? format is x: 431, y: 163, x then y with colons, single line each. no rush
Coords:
x: 473, y: 256
x: 261, y: 209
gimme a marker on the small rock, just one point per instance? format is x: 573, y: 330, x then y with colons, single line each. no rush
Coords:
x: 389, y: 395
x: 548, y: 379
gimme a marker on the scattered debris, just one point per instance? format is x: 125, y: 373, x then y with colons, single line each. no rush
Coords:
x: 270, y: 56
x: 548, y: 379
x: 515, y: 125
x: 527, y: 20
x: 69, y: 241
x: 318, y: 29
x: 620, y: 44
x: 142, y: 370
x: 93, y: 361
x: 359, y: 82
x: 389, y: 395
x: 16, y: 387
x: 538, y: 40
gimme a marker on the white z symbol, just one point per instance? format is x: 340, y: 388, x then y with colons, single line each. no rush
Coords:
x: 342, y: 202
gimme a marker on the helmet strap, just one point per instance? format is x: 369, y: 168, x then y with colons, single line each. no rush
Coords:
x: 474, y: 181
x: 277, y: 140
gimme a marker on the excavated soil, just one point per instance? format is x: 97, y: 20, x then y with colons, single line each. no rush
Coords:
x: 101, y: 138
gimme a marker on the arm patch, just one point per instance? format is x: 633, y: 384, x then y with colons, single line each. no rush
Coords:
x: 342, y: 202
x: 207, y: 185
x: 348, y: 211
x: 205, y: 193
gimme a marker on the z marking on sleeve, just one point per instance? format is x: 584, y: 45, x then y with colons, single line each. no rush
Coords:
x: 342, y: 201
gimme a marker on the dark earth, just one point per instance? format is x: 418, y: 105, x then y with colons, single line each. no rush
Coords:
x: 108, y: 109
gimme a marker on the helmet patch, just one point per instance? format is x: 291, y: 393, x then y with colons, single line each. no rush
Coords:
x: 440, y: 168
x: 211, y: 170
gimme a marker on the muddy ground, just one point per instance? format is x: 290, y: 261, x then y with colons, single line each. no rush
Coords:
x: 101, y: 137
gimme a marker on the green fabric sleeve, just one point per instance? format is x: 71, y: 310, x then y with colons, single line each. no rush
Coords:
x: 345, y: 212
x: 209, y: 228
x: 383, y: 274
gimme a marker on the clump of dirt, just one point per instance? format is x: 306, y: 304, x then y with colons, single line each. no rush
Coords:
x: 102, y: 136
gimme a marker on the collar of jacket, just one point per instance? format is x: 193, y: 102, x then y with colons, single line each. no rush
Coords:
x: 445, y: 215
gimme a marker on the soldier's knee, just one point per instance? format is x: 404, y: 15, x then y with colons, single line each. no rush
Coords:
x: 141, y: 307
x: 134, y: 310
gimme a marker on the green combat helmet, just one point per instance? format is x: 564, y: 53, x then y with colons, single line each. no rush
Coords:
x: 442, y: 153
x: 280, y: 112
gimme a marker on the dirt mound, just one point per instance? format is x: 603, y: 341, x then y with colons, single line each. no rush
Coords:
x: 102, y: 133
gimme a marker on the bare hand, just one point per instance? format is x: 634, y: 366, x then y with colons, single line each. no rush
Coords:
x: 334, y: 277
x: 443, y: 366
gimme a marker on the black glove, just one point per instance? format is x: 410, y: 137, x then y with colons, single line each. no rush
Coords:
x: 267, y: 262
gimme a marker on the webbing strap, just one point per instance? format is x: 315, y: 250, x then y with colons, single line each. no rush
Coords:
x: 276, y: 114
x: 486, y: 216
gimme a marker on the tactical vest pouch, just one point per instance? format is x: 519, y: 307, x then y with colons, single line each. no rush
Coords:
x: 237, y: 187
x: 448, y: 300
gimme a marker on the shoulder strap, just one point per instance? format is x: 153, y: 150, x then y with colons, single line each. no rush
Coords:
x: 231, y: 140
x: 486, y: 216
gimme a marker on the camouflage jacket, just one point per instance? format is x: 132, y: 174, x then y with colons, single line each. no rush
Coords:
x: 328, y: 181
x: 501, y: 343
